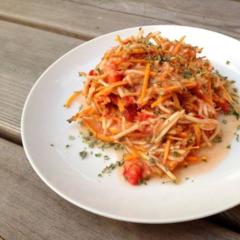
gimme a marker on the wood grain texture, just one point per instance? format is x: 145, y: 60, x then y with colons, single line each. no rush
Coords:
x: 27, y: 51
x: 90, y: 18
x: 25, y: 54
x: 30, y: 210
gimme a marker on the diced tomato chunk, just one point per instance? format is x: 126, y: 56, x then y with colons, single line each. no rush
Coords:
x: 199, y: 116
x: 225, y: 106
x: 143, y: 116
x: 92, y: 72
x: 131, y: 112
x: 133, y: 172
x: 129, y: 100
x: 114, y: 77
x: 113, y: 98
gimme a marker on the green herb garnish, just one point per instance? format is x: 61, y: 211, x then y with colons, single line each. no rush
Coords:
x: 83, y: 154
x: 237, y: 137
x: 227, y: 62
x: 187, y: 73
x: 228, y: 146
x: 217, y: 139
x: 166, y: 59
x: 176, y: 154
x: 98, y: 155
x: 106, y: 157
x: 224, y: 121
x: 142, y: 182
x: 71, y: 137
x: 236, y: 114
x: 67, y: 146
x: 112, y: 166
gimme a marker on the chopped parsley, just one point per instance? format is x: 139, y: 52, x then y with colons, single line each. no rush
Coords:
x: 92, y: 144
x: 217, y: 139
x: 151, y: 160
x: 227, y: 62
x: 236, y: 114
x: 98, y: 155
x: 224, y: 121
x: 154, y: 58
x: 112, y: 166
x: 107, y: 145
x: 71, y: 137
x: 187, y: 73
x: 237, y: 137
x: 118, y: 147
x: 83, y: 154
x: 106, y: 157
x: 67, y: 146
x: 142, y: 182
x: 204, y: 159
x: 166, y: 59
x: 176, y: 154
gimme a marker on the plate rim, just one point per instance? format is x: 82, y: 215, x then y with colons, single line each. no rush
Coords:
x: 83, y: 206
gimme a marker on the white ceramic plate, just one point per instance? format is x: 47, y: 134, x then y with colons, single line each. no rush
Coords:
x: 215, y: 188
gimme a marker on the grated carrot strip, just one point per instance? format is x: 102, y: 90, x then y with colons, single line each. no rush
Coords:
x: 130, y: 157
x: 179, y: 88
x: 166, y: 151
x: 72, y: 98
x: 176, y: 101
x: 197, y: 132
x: 95, y: 131
x: 156, y: 40
x: 138, y: 50
x: 160, y: 100
x: 86, y: 111
x: 193, y: 159
x: 120, y: 105
x: 109, y: 89
x: 118, y: 39
x: 178, y: 45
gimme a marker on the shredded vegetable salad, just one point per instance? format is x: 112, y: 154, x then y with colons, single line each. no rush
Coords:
x: 157, y: 98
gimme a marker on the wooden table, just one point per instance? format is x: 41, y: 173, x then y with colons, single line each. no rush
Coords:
x: 33, y: 34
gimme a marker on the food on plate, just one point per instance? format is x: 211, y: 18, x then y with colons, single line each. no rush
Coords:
x: 157, y: 98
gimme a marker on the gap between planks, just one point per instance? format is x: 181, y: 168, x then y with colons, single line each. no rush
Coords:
x: 45, y: 27
x: 30, y: 210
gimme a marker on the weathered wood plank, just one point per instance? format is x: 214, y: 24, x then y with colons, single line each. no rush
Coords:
x: 30, y: 210
x: 25, y: 54
x: 87, y: 19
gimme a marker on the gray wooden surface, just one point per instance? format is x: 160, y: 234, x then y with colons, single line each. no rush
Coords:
x: 33, y: 34
x: 30, y: 210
